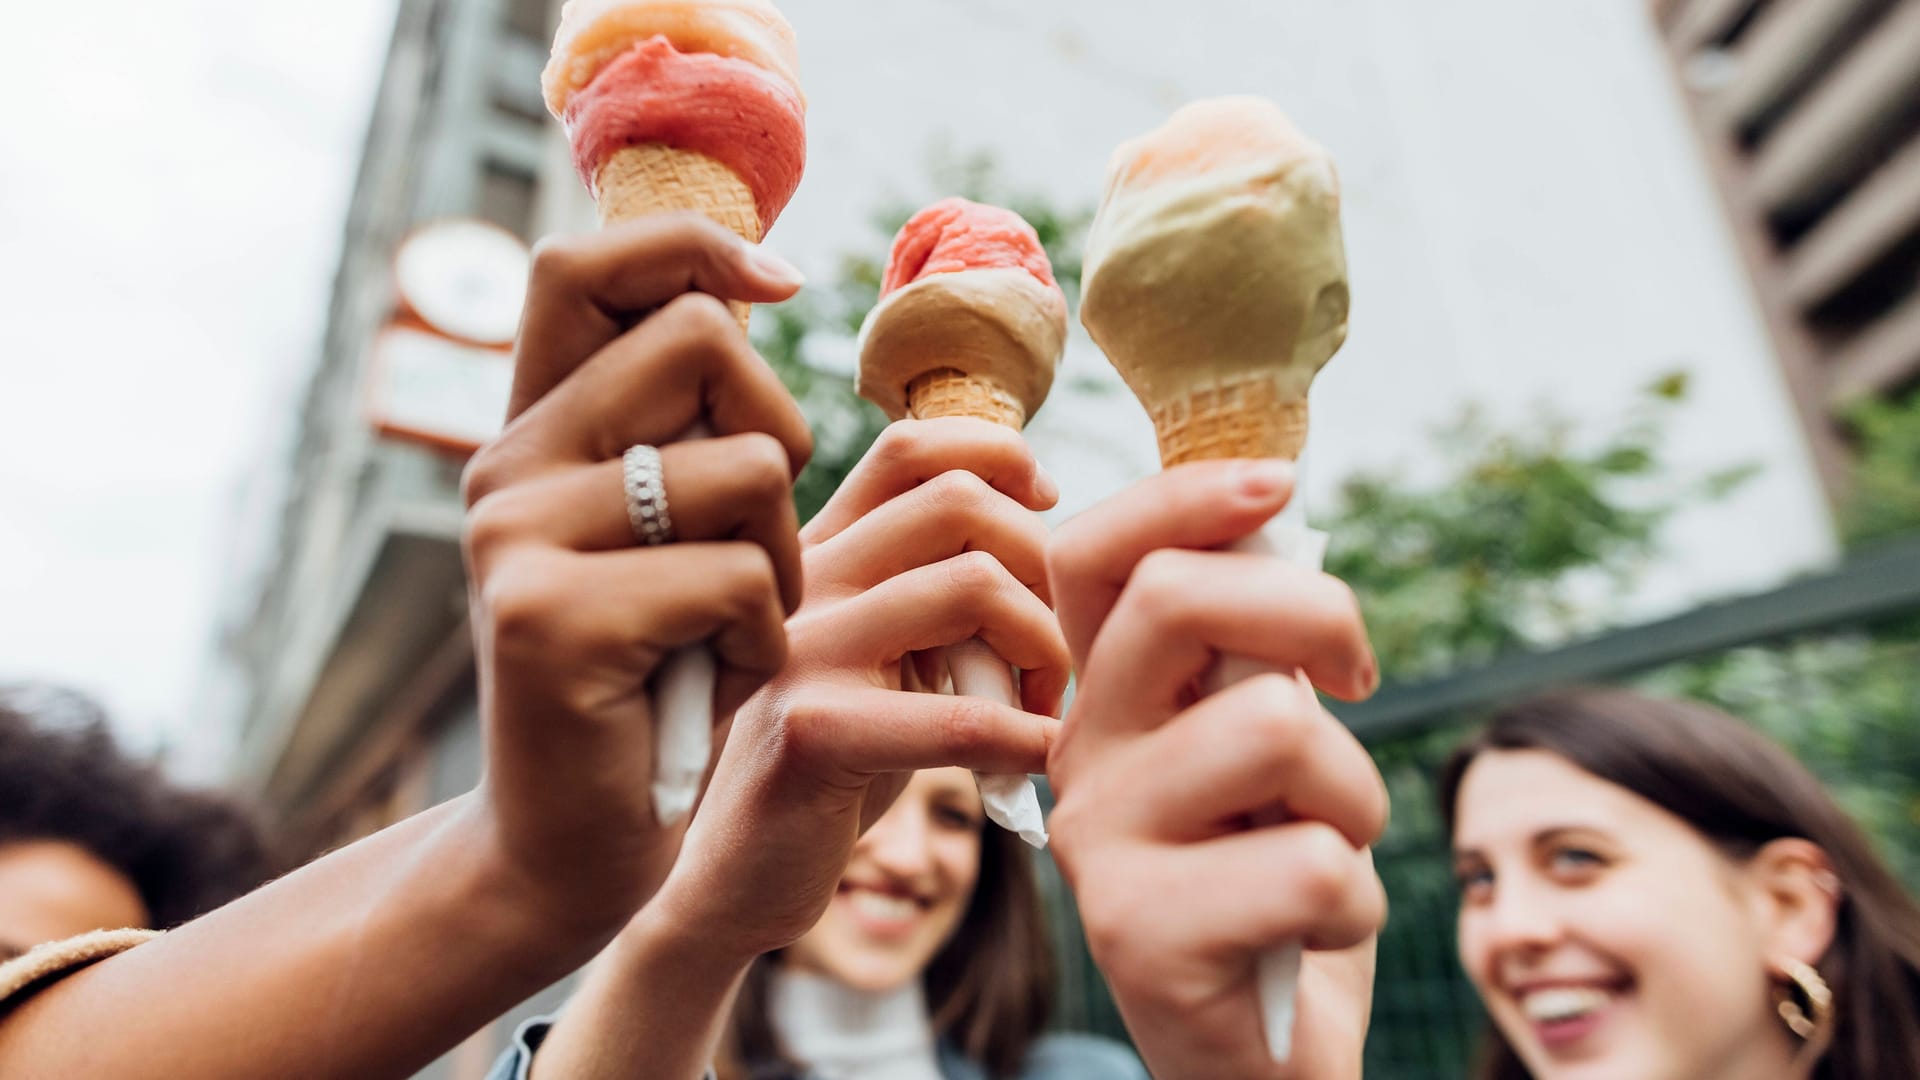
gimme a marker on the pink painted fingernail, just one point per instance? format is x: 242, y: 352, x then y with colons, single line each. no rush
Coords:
x: 774, y: 268
x: 1264, y: 478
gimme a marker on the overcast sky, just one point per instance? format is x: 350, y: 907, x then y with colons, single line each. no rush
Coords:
x: 173, y: 183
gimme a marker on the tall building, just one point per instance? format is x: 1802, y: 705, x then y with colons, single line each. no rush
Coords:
x: 1809, y: 114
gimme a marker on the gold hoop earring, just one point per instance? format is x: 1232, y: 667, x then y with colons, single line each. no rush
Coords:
x: 1816, y: 1031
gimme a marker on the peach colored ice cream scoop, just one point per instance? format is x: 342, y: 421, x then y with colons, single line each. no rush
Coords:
x: 970, y: 321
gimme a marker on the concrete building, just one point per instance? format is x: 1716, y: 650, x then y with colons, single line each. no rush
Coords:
x: 1531, y: 220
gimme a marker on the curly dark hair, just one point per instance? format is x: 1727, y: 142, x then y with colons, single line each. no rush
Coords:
x: 63, y: 777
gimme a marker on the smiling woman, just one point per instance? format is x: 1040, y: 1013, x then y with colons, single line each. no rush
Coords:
x: 934, y: 947
x: 1652, y: 889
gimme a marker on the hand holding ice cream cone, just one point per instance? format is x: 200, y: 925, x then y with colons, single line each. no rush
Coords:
x: 1216, y: 283
x: 689, y: 105
x: 970, y: 323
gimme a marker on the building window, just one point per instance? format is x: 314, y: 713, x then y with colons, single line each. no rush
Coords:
x: 507, y: 197
x: 1810, y: 113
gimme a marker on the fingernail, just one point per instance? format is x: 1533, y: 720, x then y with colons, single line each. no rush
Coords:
x: 1264, y: 478
x: 774, y: 268
x: 1045, y: 486
x: 1372, y: 676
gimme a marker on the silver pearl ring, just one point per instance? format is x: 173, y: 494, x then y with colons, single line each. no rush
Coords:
x: 646, y: 496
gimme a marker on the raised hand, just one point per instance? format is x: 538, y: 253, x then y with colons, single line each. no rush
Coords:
x: 571, y: 613
x: 1165, y: 825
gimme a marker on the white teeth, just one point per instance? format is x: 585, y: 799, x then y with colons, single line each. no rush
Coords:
x: 883, y: 906
x: 1563, y: 1003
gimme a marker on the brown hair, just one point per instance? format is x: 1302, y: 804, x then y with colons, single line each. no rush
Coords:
x: 1741, y: 791
x: 989, y: 988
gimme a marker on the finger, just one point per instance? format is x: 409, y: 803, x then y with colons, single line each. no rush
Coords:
x: 614, y: 615
x: 1268, y: 887
x: 688, y: 363
x: 1202, y: 505
x: 954, y: 512
x: 587, y: 290
x: 867, y: 730
x: 1263, y: 743
x: 909, y: 453
x: 737, y: 487
x: 933, y: 606
x: 1184, y: 609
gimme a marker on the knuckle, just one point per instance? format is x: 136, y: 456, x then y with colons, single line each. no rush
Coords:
x: 492, y: 524
x: 1281, y: 729
x: 896, y: 444
x: 958, y: 493
x: 482, y: 476
x: 1325, y: 866
x: 976, y: 575
x: 751, y: 586
x: 1335, y: 603
x: 519, y: 610
x: 1159, y: 584
x: 699, y: 320
x: 559, y: 261
x: 762, y: 467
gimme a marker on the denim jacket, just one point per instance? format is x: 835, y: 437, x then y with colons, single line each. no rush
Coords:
x: 1053, y: 1057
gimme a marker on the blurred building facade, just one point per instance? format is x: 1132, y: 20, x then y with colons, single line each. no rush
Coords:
x: 350, y: 669
x: 1528, y: 226
x: 1809, y: 114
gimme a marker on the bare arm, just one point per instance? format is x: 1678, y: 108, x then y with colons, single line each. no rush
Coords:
x: 654, y: 1006
x: 386, y: 954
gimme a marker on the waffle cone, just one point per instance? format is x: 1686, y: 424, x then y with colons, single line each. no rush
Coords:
x: 657, y: 178
x: 1247, y: 417
x: 951, y: 392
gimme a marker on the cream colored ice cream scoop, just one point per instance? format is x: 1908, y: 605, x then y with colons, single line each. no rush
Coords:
x: 1216, y: 280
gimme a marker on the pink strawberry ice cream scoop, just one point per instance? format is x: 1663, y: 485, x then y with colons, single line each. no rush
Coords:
x: 957, y: 234
x: 732, y: 111
x: 970, y: 322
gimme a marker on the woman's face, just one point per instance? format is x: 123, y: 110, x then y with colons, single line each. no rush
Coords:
x: 51, y: 890
x: 905, y: 888
x: 1607, y: 937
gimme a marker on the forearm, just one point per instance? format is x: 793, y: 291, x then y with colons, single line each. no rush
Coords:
x: 655, y: 1006
x: 369, y: 962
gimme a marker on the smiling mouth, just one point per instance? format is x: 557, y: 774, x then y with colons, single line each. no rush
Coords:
x: 883, y: 907
x: 1562, y: 1004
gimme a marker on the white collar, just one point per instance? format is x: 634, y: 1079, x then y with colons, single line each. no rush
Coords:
x: 840, y: 1033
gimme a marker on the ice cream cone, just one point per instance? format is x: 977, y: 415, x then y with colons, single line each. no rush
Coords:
x: 952, y: 392
x: 1234, y: 418
x: 656, y: 178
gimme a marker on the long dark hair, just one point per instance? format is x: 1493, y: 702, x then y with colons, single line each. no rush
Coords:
x: 1741, y: 791
x: 989, y: 989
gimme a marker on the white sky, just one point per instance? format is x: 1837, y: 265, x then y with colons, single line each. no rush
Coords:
x: 169, y: 222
